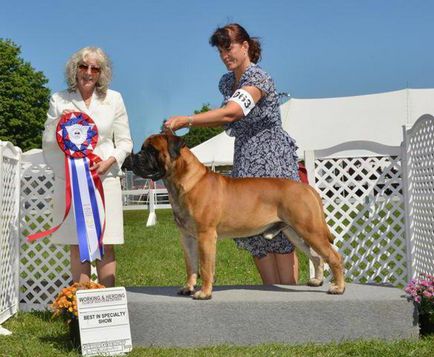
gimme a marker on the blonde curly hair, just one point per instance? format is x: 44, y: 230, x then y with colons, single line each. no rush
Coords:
x: 104, y: 62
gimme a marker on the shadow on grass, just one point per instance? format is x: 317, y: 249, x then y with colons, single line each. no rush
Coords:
x: 61, y: 341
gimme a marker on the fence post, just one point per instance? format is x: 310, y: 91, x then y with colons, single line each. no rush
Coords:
x: 17, y: 226
x: 3, y: 331
x: 406, y: 180
x: 309, y: 162
x: 152, y: 218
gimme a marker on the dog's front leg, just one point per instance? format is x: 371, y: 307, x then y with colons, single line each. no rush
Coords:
x: 207, y: 242
x: 189, y: 245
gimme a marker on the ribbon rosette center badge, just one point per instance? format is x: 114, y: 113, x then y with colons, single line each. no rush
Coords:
x: 77, y: 136
x: 78, y: 133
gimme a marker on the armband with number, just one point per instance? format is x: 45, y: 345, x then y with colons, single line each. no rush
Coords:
x: 244, y: 100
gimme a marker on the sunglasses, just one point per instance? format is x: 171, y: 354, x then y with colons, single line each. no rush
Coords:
x: 85, y: 68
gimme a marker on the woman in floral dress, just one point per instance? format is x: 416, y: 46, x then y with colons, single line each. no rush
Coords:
x: 250, y: 113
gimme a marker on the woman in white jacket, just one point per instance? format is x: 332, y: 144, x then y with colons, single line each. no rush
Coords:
x: 88, y: 74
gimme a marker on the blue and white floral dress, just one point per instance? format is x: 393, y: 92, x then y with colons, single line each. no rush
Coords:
x: 262, y: 147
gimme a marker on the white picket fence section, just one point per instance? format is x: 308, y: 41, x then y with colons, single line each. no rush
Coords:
x: 139, y: 193
x: 148, y: 198
x: 44, y: 267
x: 419, y: 173
x: 364, y: 206
x: 379, y: 203
x: 10, y: 162
x: 145, y: 198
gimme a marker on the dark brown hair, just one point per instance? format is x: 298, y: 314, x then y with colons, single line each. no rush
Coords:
x: 235, y: 33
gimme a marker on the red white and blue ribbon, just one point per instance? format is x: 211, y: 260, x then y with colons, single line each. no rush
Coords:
x: 77, y: 136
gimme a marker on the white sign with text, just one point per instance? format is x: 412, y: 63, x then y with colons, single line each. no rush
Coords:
x: 104, y: 322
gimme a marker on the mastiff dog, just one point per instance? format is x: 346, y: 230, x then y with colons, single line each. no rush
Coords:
x: 208, y: 206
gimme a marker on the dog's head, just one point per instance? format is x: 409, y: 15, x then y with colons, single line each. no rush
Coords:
x: 157, y: 156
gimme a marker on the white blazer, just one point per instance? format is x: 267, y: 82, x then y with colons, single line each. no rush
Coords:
x: 110, y: 117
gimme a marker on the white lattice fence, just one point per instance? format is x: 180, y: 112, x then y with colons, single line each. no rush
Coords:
x: 419, y: 148
x: 364, y: 206
x: 44, y: 267
x: 10, y: 158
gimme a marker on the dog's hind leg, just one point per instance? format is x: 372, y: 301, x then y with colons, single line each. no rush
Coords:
x: 319, y: 240
x: 334, y: 260
x: 316, y: 260
x: 189, y: 245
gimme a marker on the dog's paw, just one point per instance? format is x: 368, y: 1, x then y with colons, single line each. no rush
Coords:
x: 200, y: 295
x: 336, y: 290
x: 186, y: 291
x: 315, y: 282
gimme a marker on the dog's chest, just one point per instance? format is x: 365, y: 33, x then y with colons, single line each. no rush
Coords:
x: 182, y: 218
x: 180, y: 211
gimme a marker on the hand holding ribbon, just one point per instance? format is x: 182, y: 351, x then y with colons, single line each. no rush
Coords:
x: 101, y: 167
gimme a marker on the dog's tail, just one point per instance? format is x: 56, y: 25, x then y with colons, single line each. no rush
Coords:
x: 331, y: 237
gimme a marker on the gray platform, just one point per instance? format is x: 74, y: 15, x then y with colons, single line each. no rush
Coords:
x: 250, y: 315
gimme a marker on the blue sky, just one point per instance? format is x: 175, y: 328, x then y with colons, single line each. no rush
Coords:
x: 163, y: 64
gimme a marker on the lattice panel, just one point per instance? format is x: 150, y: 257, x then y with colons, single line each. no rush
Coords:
x: 364, y: 207
x: 44, y: 267
x: 9, y: 208
x: 420, y: 168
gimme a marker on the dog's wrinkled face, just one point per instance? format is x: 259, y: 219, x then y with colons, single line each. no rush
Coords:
x: 155, y: 157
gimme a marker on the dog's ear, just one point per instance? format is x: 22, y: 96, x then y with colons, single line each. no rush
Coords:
x: 166, y: 131
x: 128, y: 163
x: 175, y: 144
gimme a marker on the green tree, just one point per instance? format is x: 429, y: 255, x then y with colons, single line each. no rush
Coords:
x: 198, y: 135
x: 24, y: 98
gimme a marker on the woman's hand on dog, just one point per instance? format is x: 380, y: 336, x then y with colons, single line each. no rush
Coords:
x: 176, y: 122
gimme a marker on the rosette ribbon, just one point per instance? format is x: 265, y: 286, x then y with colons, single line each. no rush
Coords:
x: 77, y: 136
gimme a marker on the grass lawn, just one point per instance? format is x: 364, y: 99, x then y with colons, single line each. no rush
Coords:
x: 153, y: 256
